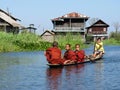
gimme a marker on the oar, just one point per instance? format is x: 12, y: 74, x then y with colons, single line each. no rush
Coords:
x: 94, y: 47
x: 93, y: 61
x: 93, y: 52
x: 90, y: 58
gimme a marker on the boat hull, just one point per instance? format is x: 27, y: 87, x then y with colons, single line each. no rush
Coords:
x: 85, y: 61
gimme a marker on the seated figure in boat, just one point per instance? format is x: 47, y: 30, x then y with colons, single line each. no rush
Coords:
x: 98, y: 48
x: 80, y: 54
x: 69, y: 55
x: 54, y: 55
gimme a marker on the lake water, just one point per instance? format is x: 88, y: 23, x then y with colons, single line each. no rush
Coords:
x: 28, y: 71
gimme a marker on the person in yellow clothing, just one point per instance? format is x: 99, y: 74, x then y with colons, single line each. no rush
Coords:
x: 98, y: 48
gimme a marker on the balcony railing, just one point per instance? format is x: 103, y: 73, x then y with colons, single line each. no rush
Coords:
x: 96, y: 35
x: 100, y: 32
x: 69, y: 29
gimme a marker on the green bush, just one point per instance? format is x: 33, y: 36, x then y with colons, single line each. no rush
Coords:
x: 71, y: 39
x: 32, y: 42
x: 111, y: 41
x: 21, y: 42
x: 115, y: 35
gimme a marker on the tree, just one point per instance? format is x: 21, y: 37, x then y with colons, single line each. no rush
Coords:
x: 116, y: 26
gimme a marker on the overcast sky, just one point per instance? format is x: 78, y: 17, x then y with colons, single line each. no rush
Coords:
x: 40, y: 12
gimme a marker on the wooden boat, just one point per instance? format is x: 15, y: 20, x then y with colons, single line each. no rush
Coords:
x: 90, y: 59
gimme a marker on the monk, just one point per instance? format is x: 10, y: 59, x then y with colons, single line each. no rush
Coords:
x: 69, y: 55
x: 80, y: 54
x: 53, y: 54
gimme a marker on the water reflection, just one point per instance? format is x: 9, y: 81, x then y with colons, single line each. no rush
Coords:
x: 54, y: 78
x: 99, y: 75
x: 76, y: 77
x: 8, y: 61
x: 66, y: 77
x: 23, y: 58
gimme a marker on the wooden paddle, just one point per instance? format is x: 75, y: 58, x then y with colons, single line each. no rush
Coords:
x: 90, y: 58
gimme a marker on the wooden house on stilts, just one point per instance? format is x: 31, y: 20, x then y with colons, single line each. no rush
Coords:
x: 98, y: 29
x: 73, y: 23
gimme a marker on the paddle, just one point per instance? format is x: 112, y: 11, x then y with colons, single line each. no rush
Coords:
x: 94, y: 47
x: 90, y: 58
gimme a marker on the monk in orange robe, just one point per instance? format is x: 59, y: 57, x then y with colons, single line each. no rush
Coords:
x: 53, y: 54
x: 80, y: 54
x: 69, y: 55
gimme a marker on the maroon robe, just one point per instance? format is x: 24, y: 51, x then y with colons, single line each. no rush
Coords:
x: 53, y: 55
x: 80, y: 55
x: 70, y: 55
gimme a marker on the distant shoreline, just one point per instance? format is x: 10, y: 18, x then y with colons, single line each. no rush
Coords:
x: 31, y: 42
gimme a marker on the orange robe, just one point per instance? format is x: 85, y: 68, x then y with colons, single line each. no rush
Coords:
x: 53, y: 55
x: 70, y: 55
x: 80, y: 55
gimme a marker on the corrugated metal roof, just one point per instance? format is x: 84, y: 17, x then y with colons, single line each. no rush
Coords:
x: 9, y: 19
x: 71, y: 15
x: 74, y: 15
x: 8, y: 14
x: 47, y: 31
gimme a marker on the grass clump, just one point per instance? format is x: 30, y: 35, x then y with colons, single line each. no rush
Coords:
x: 114, y: 39
x: 21, y: 42
x: 111, y: 41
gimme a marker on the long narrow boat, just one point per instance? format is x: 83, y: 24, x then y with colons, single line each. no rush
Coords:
x: 99, y: 57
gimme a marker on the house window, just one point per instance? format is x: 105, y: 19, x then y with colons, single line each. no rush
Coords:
x: 104, y: 30
x: 90, y: 30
